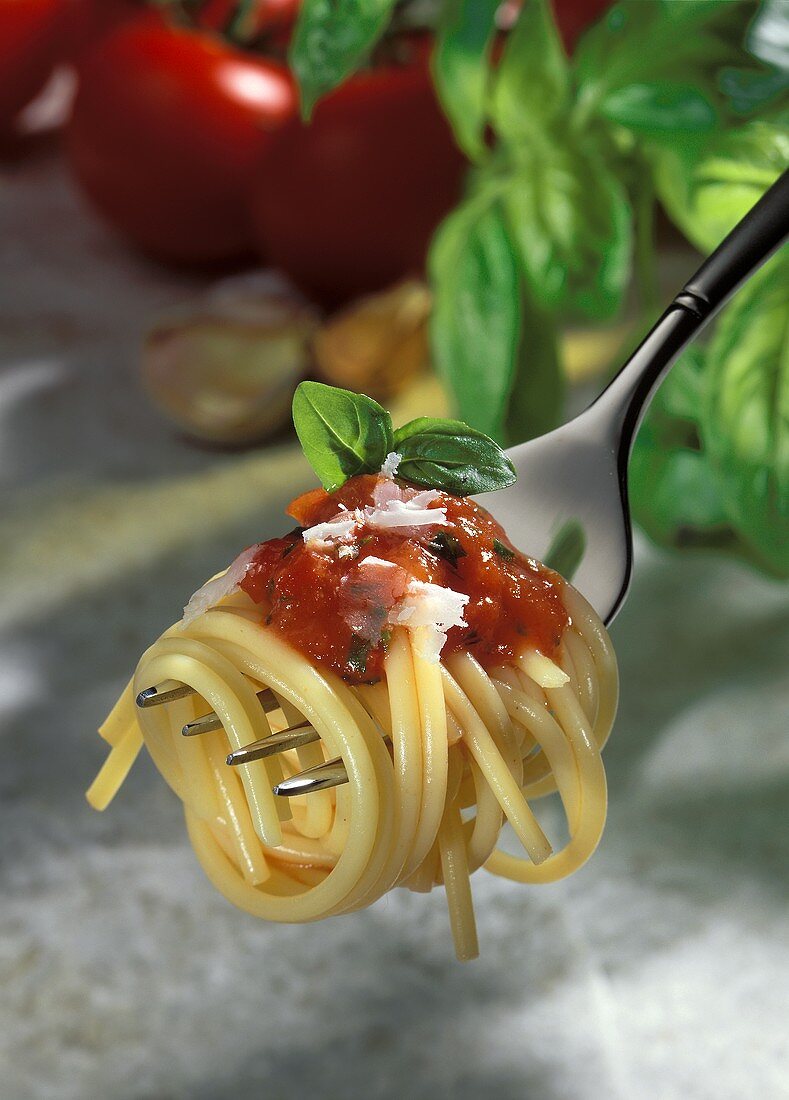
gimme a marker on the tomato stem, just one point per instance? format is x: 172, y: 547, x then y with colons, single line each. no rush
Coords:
x: 242, y: 27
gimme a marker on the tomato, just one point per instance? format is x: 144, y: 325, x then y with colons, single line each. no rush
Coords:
x: 574, y: 16
x: 167, y: 127
x: 91, y: 20
x: 31, y: 37
x: 347, y: 204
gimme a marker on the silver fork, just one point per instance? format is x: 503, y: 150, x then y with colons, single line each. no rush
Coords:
x: 579, y: 471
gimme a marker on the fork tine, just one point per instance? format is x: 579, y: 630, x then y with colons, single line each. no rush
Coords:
x: 155, y: 697
x: 292, y: 738
x: 209, y: 722
x: 330, y: 774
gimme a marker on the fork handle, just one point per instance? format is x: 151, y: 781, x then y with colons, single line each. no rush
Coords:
x: 753, y: 240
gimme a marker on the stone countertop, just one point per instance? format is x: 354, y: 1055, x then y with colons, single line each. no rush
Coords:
x: 657, y: 972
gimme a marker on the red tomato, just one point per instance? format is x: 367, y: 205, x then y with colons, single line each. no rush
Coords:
x: 91, y: 20
x: 347, y: 204
x: 31, y: 44
x: 167, y: 127
x: 574, y: 16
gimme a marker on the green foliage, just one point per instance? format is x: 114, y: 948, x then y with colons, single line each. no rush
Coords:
x: 341, y: 433
x: 707, y: 190
x: 332, y: 39
x: 475, y: 324
x: 344, y: 434
x: 710, y: 468
x: 569, y: 217
x: 745, y: 427
x: 531, y: 89
x: 461, y: 68
x: 449, y: 455
x: 535, y: 404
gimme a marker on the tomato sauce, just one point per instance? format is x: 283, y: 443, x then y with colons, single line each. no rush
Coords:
x: 316, y: 597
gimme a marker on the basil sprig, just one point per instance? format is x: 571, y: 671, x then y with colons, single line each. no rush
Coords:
x: 344, y: 433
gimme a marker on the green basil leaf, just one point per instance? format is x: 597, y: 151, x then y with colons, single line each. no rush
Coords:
x: 449, y: 455
x: 673, y: 490
x: 532, y: 84
x: 332, y: 39
x: 342, y: 433
x: 571, y: 224
x: 707, y: 192
x: 446, y: 546
x: 503, y: 551
x: 567, y: 549
x: 461, y: 68
x: 659, y: 107
x: 637, y: 42
x: 475, y: 321
x: 538, y: 391
x: 745, y: 427
x: 748, y: 90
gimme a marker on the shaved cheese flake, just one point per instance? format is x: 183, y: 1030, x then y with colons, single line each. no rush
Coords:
x: 543, y: 670
x: 391, y: 462
x: 339, y: 529
x: 406, y: 513
x: 371, y: 560
x: 434, y: 608
x: 215, y: 590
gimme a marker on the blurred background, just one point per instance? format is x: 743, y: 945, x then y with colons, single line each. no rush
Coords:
x: 203, y: 202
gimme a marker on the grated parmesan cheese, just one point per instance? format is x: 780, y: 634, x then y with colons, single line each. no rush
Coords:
x: 215, y: 590
x: 433, y: 607
x: 391, y: 463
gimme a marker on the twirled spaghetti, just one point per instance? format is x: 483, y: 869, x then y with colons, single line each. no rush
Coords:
x: 438, y: 752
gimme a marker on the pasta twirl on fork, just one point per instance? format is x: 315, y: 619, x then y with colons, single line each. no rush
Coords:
x: 451, y: 678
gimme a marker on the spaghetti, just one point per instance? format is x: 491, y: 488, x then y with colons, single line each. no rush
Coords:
x: 447, y: 729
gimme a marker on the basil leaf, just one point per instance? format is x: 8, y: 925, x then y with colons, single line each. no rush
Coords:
x: 449, y: 455
x: 476, y: 314
x: 460, y: 68
x: 332, y: 39
x: 446, y: 546
x: 659, y: 107
x: 532, y: 84
x: 673, y: 489
x: 358, y: 654
x: 634, y: 43
x: 745, y: 426
x: 503, y: 551
x: 342, y: 433
x: 538, y: 391
x: 706, y: 193
x: 567, y: 549
x: 749, y: 90
x: 571, y: 224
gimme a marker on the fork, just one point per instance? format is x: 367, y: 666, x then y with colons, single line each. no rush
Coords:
x: 577, y: 472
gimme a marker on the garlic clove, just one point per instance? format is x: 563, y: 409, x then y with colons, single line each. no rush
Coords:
x: 378, y: 344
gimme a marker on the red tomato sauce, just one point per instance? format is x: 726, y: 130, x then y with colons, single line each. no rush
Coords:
x: 309, y: 595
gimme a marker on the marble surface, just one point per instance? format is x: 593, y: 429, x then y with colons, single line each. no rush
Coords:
x: 658, y: 972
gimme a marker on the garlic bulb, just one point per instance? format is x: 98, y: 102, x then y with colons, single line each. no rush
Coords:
x: 224, y: 370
